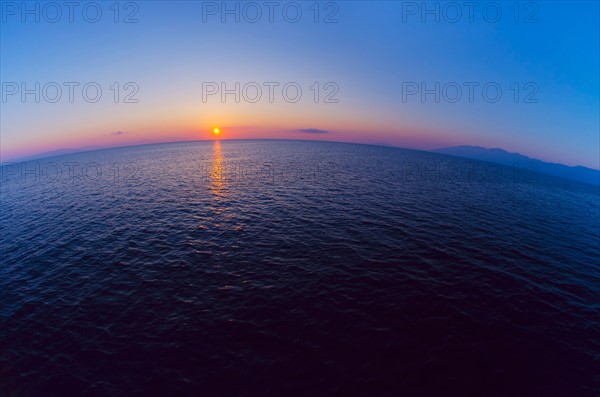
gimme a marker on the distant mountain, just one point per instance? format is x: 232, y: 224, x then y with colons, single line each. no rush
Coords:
x: 500, y: 156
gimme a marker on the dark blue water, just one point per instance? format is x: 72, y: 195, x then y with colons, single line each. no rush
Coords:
x: 295, y: 268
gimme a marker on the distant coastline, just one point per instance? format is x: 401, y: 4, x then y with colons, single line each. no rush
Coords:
x: 501, y: 156
x: 493, y: 155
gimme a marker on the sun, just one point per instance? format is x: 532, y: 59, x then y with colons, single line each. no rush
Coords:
x: 216, y: 131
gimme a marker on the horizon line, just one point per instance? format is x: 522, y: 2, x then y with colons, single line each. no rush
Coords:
x: 49, y: 155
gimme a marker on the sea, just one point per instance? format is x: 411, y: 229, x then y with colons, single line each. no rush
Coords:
x: 284, y: 268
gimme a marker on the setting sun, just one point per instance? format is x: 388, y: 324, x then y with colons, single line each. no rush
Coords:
x: 216, y: 131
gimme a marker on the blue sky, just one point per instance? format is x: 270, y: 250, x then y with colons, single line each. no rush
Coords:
x: 375, y: 50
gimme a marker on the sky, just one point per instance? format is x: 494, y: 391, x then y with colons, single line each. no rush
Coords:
x: 522, y: 76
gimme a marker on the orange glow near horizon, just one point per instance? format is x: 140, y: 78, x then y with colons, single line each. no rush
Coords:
x: 166, y: 131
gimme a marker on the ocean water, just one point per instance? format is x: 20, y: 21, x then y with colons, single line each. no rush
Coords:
x: 295, y: 268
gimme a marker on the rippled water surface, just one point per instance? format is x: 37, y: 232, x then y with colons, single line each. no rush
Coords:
x: 295, y: 268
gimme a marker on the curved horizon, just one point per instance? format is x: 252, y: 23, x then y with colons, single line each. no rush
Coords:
x: 68, y: 151
x: 371, y: 73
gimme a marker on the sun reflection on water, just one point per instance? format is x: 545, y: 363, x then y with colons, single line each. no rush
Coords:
x: 216, y: 172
